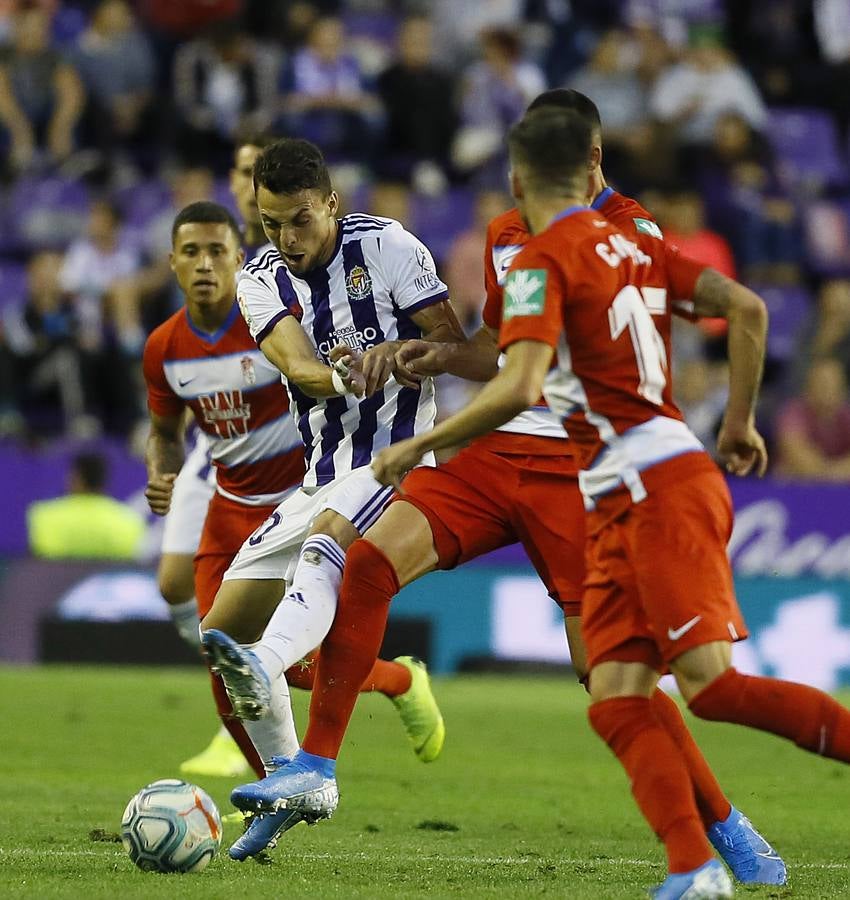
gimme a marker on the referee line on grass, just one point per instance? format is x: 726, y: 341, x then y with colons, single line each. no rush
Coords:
x: 438, y: 858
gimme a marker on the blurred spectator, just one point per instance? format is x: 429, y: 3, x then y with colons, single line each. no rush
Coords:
x: 85, y: 523
x: 495, y: 93
x: 827, y: 333
x: 326, y: 97
x: 47, y: 374
x: 694, y: 93
x: 188, y: 17
x: 458, y: 26
x: 421, y: 119
x: 683, y: 218
x: 392, y: 200
x: 832, y: 26
x: 744, y: 200
x: 118, y: 68
x: 224, y: 83
x: 464, y: 272
x: 41, y: 95
x: 813, y: 430
x: 91, y: 266
x: 150, y: 294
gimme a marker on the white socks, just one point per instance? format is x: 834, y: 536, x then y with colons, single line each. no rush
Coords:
x: 186, y: 621
x: 274, y: 734
x: 305, y: 614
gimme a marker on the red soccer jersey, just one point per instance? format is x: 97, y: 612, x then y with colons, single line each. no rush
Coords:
x: 604, y: 302
x: 507, y: 235
x: 238, y: 400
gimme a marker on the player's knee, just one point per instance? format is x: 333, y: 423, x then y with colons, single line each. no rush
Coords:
x: 176, y: 579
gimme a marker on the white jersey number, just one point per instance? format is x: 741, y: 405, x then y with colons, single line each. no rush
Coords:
x: 633, y: 309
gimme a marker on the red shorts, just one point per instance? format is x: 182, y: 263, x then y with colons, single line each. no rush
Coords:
x: 227, y: 526
x: 658, y: 577
x: 495, y: 493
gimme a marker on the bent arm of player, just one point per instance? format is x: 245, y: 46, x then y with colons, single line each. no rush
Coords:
x: 438, y: 324
x: 516, y: 387
x: 476, y: 359
x: 164, y: 458
x: 288, y: 347
x: 738, y: 443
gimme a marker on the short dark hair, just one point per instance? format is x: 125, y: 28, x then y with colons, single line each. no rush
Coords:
x: 206, y: 211
x: 290, y: 165
x: 567, y: 98
x: 92, y: 470
x: 553, y: 145
x: 253, y: 138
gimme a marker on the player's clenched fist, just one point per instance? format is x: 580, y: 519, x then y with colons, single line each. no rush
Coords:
x: 417, y: 359
x: 394, y: 462
x: 742, y: 448
x: 158, y: 493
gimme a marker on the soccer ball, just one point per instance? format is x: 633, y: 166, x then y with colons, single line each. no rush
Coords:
x: 171, y: 826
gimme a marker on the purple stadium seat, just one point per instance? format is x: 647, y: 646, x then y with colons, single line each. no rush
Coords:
x: 789, y: 309
x: 46, y: 213
x: 806, y: 144
x: 143, y: 201
x: 13, y: 284
x: 826, y: 226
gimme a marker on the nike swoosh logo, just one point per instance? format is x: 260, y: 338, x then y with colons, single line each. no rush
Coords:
x: 183, y: 383
x: 675, y: 633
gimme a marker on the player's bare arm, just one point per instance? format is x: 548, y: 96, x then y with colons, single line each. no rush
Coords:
x: 476, y: 359
x: 164, y: 459
x: 438, y: 324
x: 288, y: 347
x: 739, y: 443
x: 516, y: 387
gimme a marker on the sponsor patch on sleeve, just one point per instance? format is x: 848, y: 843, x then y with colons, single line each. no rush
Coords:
x: 647, y: 226
x: 524, y: 293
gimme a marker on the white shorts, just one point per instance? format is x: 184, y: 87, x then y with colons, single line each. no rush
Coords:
x: 193, y: 490
x: 272, y: 550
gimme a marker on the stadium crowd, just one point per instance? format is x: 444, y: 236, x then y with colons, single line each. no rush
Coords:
x: 729, y: 121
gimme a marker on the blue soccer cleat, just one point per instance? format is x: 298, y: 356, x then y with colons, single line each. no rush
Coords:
x: 263, y: 831
x: 305, y: 784
x: 749, y: 856
x: 708, y: 882
x: 242, y: 673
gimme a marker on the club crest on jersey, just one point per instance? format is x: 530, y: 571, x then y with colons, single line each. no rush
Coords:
x: 248, y: 372
x: 358, y: 283
x: 525, y: 293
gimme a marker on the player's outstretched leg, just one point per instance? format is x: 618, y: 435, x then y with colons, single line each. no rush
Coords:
x: 306, y: 784
x: 262, y: 832
x: 749, y: 856
x: 244, y: 677
x: 420, y: 715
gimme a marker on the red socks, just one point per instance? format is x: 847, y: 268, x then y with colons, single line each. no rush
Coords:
x: 387, y: 677
x: 805, y: 715
x: 235, y: 727
x: 711, y: 801
x: 660, y: 782
x: 351, y: 647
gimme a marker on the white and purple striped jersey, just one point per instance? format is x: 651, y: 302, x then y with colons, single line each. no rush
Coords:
x: 377, y: 278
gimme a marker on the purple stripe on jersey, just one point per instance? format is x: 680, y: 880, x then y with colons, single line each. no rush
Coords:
x: 428, y: 301
x: 303, y: 406
x: 288, y: 297
x: 335, y: 407
x: 404, y: 420
x: 268, y: 328
x: 368, y: 332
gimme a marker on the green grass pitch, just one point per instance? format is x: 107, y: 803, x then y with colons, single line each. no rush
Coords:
x: 524, y: 802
